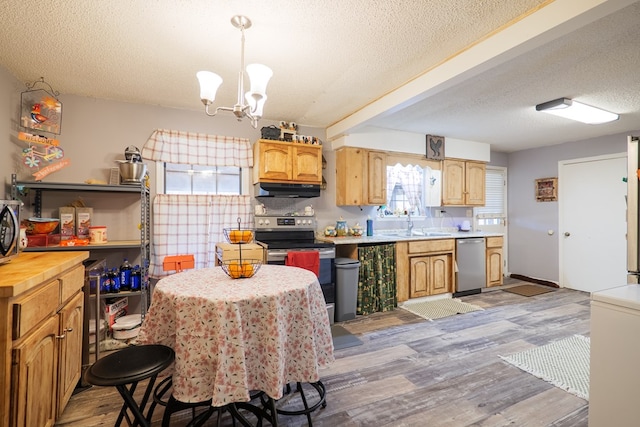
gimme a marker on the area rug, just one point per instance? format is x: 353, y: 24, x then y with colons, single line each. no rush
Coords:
x: 528, y: 290
x: 343, y: 338
x: 439, y: 308
x: 564, y: 363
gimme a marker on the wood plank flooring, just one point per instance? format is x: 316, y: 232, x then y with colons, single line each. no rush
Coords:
x: 413, y: 372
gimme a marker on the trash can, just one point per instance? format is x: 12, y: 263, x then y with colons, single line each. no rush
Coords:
x: 347, y: 271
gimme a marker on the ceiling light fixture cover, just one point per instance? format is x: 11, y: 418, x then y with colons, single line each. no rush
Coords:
x: 259, y: 76
x: 574, y: 110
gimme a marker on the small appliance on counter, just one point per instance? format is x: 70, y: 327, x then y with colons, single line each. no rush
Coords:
x: 9, y: 229
x: 132, y: 170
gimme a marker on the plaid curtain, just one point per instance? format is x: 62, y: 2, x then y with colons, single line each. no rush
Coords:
x: 193, y: 224
x: 172, y: 146
x: 377, y: 279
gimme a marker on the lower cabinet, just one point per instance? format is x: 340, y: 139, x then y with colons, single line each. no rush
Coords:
x: 34, y: 377
x: 430, y: 275
x: 70, y: 349
x: 44, y: 334
x: 425, y: 267
x: 495, y: 261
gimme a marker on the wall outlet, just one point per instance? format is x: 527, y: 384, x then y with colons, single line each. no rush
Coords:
x: 439, y: 213
x: 469, y: 213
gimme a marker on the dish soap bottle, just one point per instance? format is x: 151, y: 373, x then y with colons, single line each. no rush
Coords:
x: 369, y: 226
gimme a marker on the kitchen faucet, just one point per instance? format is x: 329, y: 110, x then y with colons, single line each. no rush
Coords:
x: 409, y: 224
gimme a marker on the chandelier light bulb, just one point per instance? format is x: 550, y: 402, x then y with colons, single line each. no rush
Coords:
x: 259, y: 76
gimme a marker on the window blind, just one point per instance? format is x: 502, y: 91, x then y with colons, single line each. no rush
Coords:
x: 494, y: 201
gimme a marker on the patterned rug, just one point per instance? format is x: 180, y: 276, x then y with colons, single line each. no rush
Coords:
x: 439, y: 308
x: 564, y: 363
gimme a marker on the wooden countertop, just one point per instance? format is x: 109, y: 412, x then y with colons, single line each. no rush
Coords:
x: 30, y: 269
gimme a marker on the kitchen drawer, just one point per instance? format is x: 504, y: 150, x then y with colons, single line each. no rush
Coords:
x: 70, y: 283
x: 32, y: 309
x: 494, y: 242
x: 436, y: 245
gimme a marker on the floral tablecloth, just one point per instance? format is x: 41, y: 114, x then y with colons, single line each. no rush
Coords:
x: 234, y: 336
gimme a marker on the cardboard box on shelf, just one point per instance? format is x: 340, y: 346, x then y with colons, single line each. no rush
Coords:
x: 229, y: 251
x: 83, y: 222
x: 67, y: 222
x: 115, y: 308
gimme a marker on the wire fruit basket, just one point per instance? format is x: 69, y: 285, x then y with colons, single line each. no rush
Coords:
x: 241, y: 268
x: 238, y: 235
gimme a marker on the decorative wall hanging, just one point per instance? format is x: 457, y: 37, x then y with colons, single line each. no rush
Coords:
x: 40, y: 109
x: 435, y: 147
x: 43, y: 154
x: 546, y: 190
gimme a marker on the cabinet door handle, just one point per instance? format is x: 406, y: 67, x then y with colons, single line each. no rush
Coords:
x: 61, y: 337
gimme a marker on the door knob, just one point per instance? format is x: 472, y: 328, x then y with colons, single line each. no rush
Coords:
x: 567, y: 234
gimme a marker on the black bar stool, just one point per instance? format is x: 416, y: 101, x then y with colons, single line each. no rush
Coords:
x: 127, y: 367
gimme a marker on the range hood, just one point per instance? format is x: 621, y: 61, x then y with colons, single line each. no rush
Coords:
x: 283, y: 189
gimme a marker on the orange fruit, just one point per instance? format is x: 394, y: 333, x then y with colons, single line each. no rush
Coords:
x: 247, y: 236
x: 235, y: 236
x: 247, y: 269
x: 235, y: 269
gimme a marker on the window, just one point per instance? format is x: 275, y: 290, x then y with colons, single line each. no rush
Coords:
x: 405, y: 190
x: 196, y: 179
x: 494, y: 210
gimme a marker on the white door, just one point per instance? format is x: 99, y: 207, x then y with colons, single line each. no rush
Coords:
x: 593, y: 227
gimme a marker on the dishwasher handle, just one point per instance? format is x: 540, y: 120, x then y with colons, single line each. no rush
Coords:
x: 471, y: 240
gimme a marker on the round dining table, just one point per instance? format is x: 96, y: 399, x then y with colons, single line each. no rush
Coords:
x: 235, y: 336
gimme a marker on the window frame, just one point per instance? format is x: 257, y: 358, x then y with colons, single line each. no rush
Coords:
x: 245, y: 179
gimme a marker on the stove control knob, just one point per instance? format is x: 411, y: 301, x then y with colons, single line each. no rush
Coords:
x: 266, y: 222
x: 298, y: 222
x: 259, y: 222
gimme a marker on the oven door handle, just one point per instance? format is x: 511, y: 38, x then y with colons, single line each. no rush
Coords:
x: 281, y: 254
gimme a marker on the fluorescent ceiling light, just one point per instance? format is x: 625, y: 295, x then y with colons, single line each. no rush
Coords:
x: 569, y: 109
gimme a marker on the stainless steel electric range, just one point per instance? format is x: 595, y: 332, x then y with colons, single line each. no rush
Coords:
x: 286, y: 233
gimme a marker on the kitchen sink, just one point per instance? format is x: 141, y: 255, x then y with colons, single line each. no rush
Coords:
x: 436, y: 233
x: 403, y: 233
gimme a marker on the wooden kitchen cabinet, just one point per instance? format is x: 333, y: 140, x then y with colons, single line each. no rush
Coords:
x: 41, y: 315
x: 494, y: 261
x: 424, y: 268
x: 463, y: 183
x: 361, y: 177
x: 278, y: 161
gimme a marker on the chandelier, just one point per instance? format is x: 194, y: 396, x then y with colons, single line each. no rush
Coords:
x: 249, y: 104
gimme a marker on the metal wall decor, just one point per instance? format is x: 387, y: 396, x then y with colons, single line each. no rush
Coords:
x: 40, y: 109
x: 546, y: 189
x: 435, y: 147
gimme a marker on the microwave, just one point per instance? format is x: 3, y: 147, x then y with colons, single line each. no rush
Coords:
x: 9, y: 229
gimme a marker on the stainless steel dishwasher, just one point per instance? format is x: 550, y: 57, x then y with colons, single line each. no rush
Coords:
x: 470, y: 258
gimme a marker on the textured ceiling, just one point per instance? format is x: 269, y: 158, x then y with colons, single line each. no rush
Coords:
x: 331, y: 58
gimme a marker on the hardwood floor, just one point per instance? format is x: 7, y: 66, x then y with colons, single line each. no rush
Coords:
x: 413, y: 372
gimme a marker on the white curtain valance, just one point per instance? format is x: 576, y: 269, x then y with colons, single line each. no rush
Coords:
x: 190, y: 148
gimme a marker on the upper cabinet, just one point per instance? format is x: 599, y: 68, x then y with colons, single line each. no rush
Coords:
x: 361, y: 177
x: 278, y: 161
x: 463, y: 183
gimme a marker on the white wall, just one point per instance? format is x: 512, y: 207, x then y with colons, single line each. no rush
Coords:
x: 408, y: 142
x: 532, y: 252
